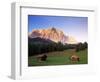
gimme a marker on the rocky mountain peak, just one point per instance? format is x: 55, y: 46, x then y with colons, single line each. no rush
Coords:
x: 52, y: 34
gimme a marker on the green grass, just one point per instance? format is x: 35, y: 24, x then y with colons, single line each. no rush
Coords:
x: 60, y: 58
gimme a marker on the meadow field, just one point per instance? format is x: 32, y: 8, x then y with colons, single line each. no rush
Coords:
x: 60, y: 58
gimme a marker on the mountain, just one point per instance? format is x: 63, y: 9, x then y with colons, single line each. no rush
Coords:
x: 39, y: 40
x: 52, y: 34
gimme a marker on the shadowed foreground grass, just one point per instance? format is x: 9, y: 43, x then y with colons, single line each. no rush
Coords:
x: 59, y: 58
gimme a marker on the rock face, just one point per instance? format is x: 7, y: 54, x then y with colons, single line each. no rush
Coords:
x: 52, y: 34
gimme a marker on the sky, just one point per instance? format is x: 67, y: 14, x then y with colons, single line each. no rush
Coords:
x: 70, y: 25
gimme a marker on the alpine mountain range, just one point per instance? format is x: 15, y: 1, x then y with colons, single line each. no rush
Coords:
x: 53, y: 34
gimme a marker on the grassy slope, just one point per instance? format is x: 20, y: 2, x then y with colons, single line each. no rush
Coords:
x: 59, y: 58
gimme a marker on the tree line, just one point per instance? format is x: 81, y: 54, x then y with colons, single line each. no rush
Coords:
x: 39, y: 48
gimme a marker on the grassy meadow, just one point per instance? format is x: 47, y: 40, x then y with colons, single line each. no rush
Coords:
x: 60, y: 58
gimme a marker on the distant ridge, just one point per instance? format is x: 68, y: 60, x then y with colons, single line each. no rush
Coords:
x: 40, y: 40
x: 53, y: 34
